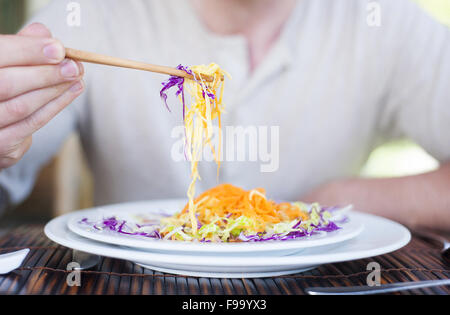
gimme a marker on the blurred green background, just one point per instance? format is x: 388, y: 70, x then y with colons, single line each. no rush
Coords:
x: 393, y: 159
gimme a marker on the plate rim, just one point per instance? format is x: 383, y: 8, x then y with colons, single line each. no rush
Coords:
x: 191, y: 260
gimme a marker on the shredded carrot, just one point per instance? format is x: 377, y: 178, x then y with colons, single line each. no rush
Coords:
x: 228, y: 200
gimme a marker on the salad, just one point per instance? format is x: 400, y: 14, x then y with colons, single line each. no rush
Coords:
x: 227, y: 214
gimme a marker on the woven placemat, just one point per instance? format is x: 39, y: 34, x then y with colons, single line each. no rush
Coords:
x: 44, y: 272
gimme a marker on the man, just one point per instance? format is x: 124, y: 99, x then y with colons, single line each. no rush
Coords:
x: 335, y: 84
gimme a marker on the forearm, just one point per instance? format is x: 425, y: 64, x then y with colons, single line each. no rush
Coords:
x: 420, y: 200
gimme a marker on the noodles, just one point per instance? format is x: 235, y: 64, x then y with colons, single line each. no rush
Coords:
x: 205, y: 107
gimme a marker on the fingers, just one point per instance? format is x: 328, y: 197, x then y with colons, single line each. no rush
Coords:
x: 18, y: 80
x: 35, y: 30
x: 19, y: 108
x: 28, y: 51
x: 23, y: 129
x: 15, y: 153
x: 36, y: 83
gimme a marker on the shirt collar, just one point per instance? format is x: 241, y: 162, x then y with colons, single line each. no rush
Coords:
x: 280, y: 58
x: 283, y: 54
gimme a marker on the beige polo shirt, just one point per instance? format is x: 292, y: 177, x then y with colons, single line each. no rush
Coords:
x: 332, y: 87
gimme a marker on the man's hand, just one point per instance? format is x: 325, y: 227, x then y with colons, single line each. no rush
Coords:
x: 36, y: 83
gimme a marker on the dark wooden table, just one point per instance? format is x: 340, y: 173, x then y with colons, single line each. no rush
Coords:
x: 44, y: 272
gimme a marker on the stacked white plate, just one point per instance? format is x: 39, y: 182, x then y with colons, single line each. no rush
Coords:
x: 362, y: 236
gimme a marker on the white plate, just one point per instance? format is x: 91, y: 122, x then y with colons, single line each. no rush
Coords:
x: 380, y: 236
x: 128, y: 210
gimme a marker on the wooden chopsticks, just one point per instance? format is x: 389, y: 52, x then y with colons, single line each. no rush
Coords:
x: 85, y: 56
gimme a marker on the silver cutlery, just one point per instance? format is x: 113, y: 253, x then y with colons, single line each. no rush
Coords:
x: 385, y: 288
x: 85, y: 260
